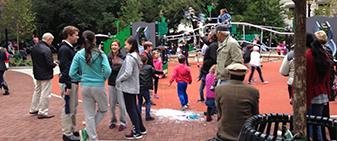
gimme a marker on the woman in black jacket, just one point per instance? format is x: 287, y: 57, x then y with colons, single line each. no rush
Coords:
x: 185, y: 51
x: 116, y: 58
x: 3, y: 68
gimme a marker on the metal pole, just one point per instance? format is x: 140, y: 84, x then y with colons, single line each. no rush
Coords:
x: 117, y: 30
x: 243, y: 31
x: 309, y: 10
x: 270, y: 39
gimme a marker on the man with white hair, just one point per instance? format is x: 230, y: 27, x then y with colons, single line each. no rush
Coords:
x: 228, y: 53
x: 43, y: 66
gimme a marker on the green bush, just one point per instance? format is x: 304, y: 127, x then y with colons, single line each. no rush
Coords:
x: 21, y: 63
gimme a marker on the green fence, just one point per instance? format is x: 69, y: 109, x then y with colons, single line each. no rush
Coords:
x: 248, y: 37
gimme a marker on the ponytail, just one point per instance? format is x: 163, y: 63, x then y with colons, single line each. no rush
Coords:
x: 321, y: 59
x: 88, y: 45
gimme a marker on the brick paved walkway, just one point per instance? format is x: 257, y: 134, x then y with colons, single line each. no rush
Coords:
x: 17, y: 124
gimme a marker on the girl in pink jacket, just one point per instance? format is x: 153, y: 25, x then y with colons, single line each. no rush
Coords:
x: 158, y: 66
x: 210, y: 95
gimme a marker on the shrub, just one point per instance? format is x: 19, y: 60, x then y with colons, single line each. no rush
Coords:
x: 21, y: 63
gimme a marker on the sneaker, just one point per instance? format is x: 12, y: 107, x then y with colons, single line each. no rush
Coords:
x: 112, y: 126
x: 200, y: 100
x: 121, y: 128
x: 264, y: 82
x: 187, y: 104
x: 133, y: 135
x: 143, y: 132
x: 83, y: 135
x: 149, y: 118
x: 152, y: 103
x: 155, y: 96
x: 183, y: 107
x: 70, y: 138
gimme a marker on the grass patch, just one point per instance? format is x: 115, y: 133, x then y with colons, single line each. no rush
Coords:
x: 24, y: 63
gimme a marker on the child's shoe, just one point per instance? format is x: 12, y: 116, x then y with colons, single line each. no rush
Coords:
x: 183, y: 107
x: 155, y: 96
x: 208, y: 118
x: 201, y: 100
x: 149, y: 118
x: 112, y: 126
x: 152, y: 103
x: 121, y: 128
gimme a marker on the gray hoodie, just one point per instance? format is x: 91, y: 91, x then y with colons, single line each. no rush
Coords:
x: 128, y: 76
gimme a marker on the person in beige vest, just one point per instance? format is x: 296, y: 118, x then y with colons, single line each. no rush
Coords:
x: 235, y: 103
x: 228, y: 53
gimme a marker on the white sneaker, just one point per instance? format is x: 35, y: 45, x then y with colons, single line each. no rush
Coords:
x: 183, y: 108
x: 265, y: 82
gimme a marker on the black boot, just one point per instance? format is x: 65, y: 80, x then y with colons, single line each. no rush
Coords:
x: 4, y: 85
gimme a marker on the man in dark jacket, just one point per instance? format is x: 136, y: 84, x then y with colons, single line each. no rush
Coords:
x: 68, y: 86
x: 246, y: 56
x: 43, y: 66
x: 146, y: 83
x: 209, y: 60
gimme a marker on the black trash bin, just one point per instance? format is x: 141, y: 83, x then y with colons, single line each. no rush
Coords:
x: 264, y: 127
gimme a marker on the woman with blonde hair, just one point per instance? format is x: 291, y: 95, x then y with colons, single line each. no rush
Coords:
x: 158, y: 66
x: 210, y: 95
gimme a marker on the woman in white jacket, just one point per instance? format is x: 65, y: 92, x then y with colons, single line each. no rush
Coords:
x: 255, y: 63
x: 288, y: 69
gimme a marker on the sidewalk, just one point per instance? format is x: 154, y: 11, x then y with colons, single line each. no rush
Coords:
x: 17, y: 124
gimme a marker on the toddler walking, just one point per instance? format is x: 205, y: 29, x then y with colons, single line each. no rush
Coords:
x: 210, y: 95
x: 182, y: 75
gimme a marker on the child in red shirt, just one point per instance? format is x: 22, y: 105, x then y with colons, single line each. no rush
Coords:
x: 182, y: 75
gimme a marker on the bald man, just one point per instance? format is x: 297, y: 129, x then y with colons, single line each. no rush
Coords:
x: 43, y: 66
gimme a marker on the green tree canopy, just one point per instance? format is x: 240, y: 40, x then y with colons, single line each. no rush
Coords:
x: 17, y: 16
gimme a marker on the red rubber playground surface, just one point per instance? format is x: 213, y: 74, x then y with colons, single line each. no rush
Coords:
x: 273, y: 96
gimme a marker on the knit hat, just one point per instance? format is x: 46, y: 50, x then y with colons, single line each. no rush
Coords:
x: 256, y: 48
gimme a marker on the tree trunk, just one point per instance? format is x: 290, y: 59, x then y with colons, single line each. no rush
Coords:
x: 299, y: 90
x: 17, y: 38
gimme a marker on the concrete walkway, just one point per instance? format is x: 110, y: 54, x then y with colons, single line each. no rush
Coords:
x: 18, y: 125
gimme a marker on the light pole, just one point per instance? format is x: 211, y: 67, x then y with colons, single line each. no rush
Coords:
x: 309, y: 2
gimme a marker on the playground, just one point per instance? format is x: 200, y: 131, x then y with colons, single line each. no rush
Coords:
x: 273, y: 96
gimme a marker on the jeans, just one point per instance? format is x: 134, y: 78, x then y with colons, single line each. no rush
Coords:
x: 258, y: 70
x: 186, y: 55
x: 315, y: 109
x: 211, y: 108
x: 201, y: 90
x: 146, y: 95
x: 182, y: 86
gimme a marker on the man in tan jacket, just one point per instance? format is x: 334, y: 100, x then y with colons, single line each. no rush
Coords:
x: 235, y: 103
x: 228, y: 53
